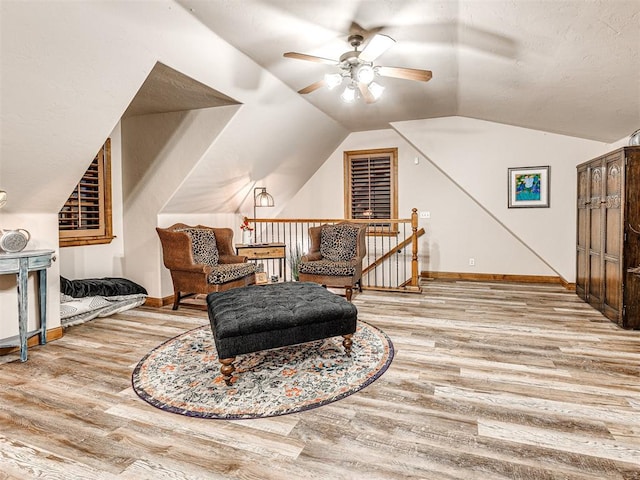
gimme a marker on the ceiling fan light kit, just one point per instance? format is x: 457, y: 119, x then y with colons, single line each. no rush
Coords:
x: 349, y: 94
x: 358, y: 67
x: 364, y: 73
x: 332, y: 80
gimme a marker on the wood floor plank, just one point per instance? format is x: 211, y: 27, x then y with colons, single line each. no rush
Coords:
x: 583, y: 444
x: 21, y: 461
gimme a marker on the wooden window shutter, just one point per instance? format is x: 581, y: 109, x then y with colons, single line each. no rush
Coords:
x: 85, y: 217
x: 371, y: 184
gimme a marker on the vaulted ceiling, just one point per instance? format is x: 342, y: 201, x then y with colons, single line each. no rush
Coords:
x: 563, y: 66
x: 166, y: 90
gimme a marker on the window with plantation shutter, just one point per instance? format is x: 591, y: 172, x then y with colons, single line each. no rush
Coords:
x: 85, y: 218
x: 371, y: 186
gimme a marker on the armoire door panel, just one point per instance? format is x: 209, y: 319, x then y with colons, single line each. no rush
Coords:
x: 583, y: 183
x: 595, y: 185
x: 608, y: 259
x: 595, y: 279
x: 613, y: 232
x: 612, y: 204
x: 582, y: 233
x: 595, y: 229
x: 631, y: 317
x: 612, y: 289
x: 581, y: 273
x: 582, y: 227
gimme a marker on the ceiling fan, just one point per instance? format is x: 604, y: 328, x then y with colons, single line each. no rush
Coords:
x: 358, y: 69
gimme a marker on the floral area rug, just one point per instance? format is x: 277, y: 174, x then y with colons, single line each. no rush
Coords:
x: 183, y: 375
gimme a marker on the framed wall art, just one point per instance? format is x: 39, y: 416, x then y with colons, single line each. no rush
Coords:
x: 529, y: 187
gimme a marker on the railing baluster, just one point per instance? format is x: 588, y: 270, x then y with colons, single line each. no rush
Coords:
x: 387, y: 262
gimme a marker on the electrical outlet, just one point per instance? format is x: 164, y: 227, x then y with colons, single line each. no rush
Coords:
x: 425, y: 214
x: 472, y: 262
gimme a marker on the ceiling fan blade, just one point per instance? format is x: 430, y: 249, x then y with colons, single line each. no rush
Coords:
x: 377, y: 46
x: 366, y: 94
x: 310, y: 58
x: 314, y: 86
x: 406, y: 73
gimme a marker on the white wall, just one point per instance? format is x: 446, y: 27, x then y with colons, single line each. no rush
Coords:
x: 476, y: 154
x: 461, y: 179
x: 105, y: 260
x: 159, y: 151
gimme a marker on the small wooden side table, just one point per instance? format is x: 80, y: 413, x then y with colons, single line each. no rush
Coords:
x: 264, y: 251
x: 21, y: 264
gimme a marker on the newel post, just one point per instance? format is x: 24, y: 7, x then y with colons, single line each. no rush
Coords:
x: 414, y: 247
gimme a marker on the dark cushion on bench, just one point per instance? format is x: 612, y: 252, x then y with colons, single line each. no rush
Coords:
x: 261, y: 317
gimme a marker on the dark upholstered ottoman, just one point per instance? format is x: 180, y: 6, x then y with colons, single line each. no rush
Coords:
x: 260, y: 317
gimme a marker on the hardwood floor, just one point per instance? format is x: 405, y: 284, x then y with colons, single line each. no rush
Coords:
x: 490, y: 381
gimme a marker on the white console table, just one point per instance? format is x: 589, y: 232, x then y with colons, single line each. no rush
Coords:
x: 21, y: 264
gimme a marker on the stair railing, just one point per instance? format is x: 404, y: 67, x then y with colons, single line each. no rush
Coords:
x: 391, y: 263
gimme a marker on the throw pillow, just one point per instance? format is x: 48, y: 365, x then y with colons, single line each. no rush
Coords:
x: 338, y: 242
x: 203, y: 245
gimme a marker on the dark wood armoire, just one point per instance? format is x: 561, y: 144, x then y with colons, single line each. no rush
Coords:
x: 608, y: 235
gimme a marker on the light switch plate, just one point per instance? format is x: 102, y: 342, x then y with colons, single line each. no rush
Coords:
x: 425, y: 214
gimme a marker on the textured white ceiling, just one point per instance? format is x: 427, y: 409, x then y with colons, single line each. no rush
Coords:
x: 564, y: 66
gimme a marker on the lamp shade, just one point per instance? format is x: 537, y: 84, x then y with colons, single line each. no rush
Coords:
x: 262, y: 198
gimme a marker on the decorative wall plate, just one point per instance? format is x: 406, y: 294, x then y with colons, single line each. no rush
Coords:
x: 14, y: 241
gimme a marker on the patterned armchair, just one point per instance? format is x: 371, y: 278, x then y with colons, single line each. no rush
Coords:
x: 335, y: 257
x: 202, y: 260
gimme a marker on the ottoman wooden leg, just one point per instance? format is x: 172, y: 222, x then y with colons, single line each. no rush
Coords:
x: 347, y: 342
x: 227, y: 369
